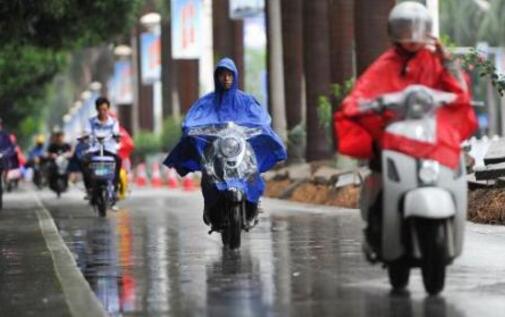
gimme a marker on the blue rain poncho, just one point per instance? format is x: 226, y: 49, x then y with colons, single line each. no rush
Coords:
x: 223, y: 106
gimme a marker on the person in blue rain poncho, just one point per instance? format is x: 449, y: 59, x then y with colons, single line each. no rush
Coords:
x: 228, y: 104
x: 8, y: 158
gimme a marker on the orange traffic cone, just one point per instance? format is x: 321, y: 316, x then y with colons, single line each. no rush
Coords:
x: 172, y: 181
x: 141, y: 177
x: 156, y: 175
x: 187, y: 182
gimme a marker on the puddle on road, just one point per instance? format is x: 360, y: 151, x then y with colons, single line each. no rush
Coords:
x: 165, y: 264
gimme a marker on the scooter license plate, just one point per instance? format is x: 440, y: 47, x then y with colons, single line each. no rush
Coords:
x: 102, y: 172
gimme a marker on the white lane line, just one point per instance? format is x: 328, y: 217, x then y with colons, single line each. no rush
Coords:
x: 78, y: 294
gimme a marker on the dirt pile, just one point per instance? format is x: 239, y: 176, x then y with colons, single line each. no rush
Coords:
x: 487, y: 205
x: 309, y: 192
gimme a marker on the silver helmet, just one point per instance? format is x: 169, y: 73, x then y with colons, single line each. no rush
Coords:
x: 409, y: 21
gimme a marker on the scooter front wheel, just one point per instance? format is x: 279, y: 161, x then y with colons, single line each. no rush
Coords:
x: 231, y: 234
x: 433, y: 243
x: 399, y: 272
x: 101, y: 203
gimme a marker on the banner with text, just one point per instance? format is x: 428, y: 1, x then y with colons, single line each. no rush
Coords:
x: 121, y: 83
x: 150, y: 57
x: 186, y: 29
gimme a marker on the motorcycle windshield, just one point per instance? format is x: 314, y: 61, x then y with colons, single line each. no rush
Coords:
x: 422, y: 130
x: 187, y: 155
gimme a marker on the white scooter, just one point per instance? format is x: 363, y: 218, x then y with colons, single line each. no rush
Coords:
x: 419, y: 220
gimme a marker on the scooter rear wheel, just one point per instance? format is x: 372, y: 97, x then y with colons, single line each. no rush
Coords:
x: 433, y: 243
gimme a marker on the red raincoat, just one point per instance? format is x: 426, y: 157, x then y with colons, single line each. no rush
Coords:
x: 126, y: 145
x: 392, y: 72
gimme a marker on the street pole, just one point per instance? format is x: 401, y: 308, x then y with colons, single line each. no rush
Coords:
x: 157, y: 93
x: 152, y: 21
x: 276, y: 70
x: 206, y: 67
x: 135, y: 83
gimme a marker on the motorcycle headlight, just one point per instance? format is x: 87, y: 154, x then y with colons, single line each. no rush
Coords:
x: 429, y: 171
x: 418, y: 104
x: 230, y: 147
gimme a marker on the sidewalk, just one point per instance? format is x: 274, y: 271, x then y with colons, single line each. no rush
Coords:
x: 38, y: 276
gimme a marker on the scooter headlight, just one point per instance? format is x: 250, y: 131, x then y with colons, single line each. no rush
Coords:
x: 418, y: 104
x: 429, y: 171
x: 230, y: 147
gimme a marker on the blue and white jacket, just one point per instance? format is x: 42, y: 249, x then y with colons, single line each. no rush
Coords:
x: 107, y: 129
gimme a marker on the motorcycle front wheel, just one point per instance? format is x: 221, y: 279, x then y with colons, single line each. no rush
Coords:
x: 433, y: 244
x: 399, y: 272
x: 101, y: 202
x: 231, y: 233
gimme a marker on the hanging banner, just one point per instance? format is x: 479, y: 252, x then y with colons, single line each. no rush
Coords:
x: 121, y: 82
x: 240, y: 9
x: 186, y: 29
x: 111, y: 89
x: 150, y: 55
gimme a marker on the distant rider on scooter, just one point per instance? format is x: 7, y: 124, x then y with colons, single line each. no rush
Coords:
x: 105, y: 125
x: 7, y: 151
x: 58, y: 148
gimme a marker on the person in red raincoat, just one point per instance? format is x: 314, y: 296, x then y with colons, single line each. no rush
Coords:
x: 126, y: 147
x: 20, y: 156
x: 416, y: 58
x: 410, y: 61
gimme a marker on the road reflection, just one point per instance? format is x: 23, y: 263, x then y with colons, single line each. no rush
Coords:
x: 164, y: 264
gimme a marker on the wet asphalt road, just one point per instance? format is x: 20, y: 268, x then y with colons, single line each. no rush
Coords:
x: 155, y: 258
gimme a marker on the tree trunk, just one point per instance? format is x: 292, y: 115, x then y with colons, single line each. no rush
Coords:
x: 276, y: 71
x: 187, y: 83
x: 292, y: 39
x: 228, y: 37
x: 342, y: 40
x: 316, y: 56
x: 372, y: 40
x: 341, y: 17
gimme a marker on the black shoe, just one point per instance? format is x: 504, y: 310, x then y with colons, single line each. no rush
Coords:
x: 370, y: 254
x: 372, y: 244
x: 206, y: 219
x: 251, y: 223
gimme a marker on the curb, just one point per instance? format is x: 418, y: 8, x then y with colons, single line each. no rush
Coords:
x: 78, y: 294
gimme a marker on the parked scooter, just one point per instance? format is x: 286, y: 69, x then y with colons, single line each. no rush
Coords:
x: 415, y: 208
x: 228, y: 163
x: 102, y: 169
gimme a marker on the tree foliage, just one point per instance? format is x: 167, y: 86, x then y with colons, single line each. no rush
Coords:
x: 461, y: 20
x: 467, y: 22
x: 491, y: 30
x: 64, y: 23
x: 37, y: 37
